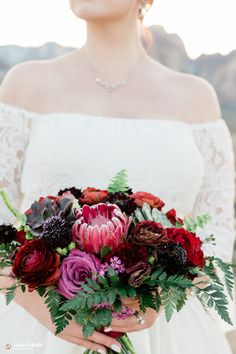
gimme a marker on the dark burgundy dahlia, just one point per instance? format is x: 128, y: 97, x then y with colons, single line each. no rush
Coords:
x: 172, y: 256
x: 124, y: 202
x: 77, y: 193
x: 7, y: 233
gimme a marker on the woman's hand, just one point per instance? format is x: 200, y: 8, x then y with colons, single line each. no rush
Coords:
x: 131, y: 323
x: 97, y: 342
x: 34, y: 305
x: 200, y: 283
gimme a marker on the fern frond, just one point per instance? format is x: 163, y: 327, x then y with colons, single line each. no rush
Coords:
x: 119, y: 183
x: 191, y: 224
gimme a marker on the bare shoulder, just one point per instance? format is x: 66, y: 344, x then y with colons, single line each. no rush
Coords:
x: 202, y: 103
x: 23, y: 83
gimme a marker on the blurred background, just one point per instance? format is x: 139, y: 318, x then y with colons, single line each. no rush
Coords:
x: 197, y: 37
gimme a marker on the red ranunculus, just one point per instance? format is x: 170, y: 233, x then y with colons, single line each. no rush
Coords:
x: 190, y: 242
x: 36, y: 264
x: 171, y: 216
x: 93, y: 196
x: 144, y: 197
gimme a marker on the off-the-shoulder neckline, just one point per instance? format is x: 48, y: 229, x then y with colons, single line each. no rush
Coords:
x: 106, y: 117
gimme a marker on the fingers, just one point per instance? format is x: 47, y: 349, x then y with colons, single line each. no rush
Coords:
x: 85, y: 343
x: 130, y: 301
x: 106, y: 340
x: 201, y: 282
x: 74, y: 331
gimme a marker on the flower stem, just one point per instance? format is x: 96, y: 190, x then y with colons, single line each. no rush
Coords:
x: 126, y: 343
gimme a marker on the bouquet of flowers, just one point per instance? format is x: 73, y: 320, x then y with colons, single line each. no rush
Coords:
x: 86, y: 251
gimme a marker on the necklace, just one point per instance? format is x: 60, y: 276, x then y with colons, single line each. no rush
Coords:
x: 109, y: 86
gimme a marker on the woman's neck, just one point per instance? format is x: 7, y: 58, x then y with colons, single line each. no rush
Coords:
x: 113, y: 46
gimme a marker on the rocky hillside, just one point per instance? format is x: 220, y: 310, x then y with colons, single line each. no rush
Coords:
x: 168, y: 48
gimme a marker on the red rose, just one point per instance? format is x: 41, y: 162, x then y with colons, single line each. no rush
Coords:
x: 36, y: 264
x: 171, y: 216
x: 190, y: 242
x: 144, y: 197
x: 93, y: 196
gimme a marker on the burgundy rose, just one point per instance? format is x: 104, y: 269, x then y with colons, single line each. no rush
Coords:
x: 36, y: 264
x: 75, y: 269
x: 93, y: 196
x: 138, y: 272
x: 171, y: 216
x: 149, y: 233
x: 144, y: 197
x: 190, y: 242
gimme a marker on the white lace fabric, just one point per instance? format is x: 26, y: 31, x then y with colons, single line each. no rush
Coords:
x: 217, y: 194
x: 15, y: 125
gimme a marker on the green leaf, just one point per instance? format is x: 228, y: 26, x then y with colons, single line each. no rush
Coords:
x: 96, y: 298
x: 23, y: 288
x: 41, y: 291
x: 88, y: 329
x: 87, y: 288
x: 170, y: 300
x: 131, y: 292
x: 104, y: 251
x: 82, y: 316
x: 122, y: 292
x: 10, y: 294
x: 117, y: 305
x: 119, y: 183
x: 228, y: 275
x: 215, y: 296
x: 111, y: 296
x: 103, y: 281
x: 148, y: 213
x: 93, y: 284
x: 19, y: 216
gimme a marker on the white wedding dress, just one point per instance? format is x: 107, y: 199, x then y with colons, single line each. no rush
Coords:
x: 189, y: 166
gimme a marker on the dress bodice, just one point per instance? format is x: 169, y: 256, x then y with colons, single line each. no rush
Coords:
x: 189, y: 166
x: 75, y: 150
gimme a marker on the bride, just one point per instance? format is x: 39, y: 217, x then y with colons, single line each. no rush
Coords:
x: 76, y: 120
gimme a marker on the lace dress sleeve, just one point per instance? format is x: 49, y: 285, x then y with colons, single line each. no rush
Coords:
x: 217, y: 192
x: 15, y: 127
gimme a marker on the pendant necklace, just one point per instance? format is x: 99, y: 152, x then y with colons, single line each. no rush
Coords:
x: 110, y: 86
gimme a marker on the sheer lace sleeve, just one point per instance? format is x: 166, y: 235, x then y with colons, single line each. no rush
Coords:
x: 217, y: 193
x: 15, y: 126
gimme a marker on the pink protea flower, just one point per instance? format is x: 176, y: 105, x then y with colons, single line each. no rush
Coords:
x: 100, y: 225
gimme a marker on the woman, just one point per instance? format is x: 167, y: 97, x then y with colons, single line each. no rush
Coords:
x: 78, y: 119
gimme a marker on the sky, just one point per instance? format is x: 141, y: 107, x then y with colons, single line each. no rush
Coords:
x: 205, y: 26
